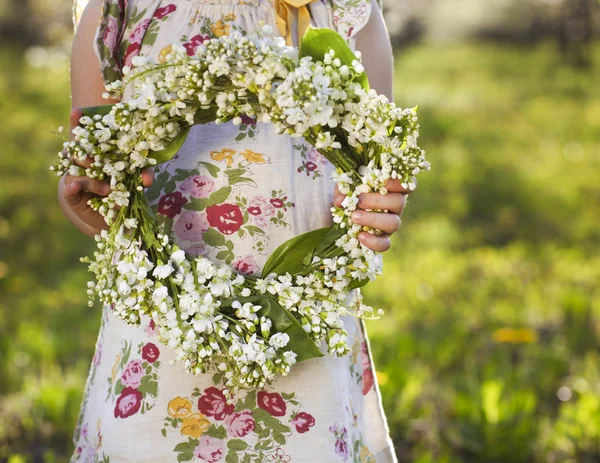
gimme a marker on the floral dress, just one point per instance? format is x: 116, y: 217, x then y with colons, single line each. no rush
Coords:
x: 233, y: 194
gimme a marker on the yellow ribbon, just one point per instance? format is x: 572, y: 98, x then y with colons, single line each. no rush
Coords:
x: 285, y: 18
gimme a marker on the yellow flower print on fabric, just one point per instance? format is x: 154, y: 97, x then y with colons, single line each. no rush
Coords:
x: 179, y: 407
x: 162, y: 56
x: 225, y: 154
x: 194, y: 425
x: 115, y: 367
x: 220, y: 28
x: 256, y: 158
x: 230, y: 17
x: 365, y: 455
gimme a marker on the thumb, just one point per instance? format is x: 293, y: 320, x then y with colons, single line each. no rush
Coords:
x: 74, y: 117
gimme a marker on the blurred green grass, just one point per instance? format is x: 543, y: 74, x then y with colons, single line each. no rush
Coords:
x: 489, y: 348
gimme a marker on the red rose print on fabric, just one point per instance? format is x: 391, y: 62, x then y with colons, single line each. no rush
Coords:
x: 240, y: 424
x: 164, y: 11
x: 198, y: 186
x: 214, y: 403
x: 171, y: 204
x: 368, y: 378
x: 303, y: 422
x: 226, y: 217
x: 271, y: 402
x: 247, y: 120
x: 210, y: 450
x: 133, y: 373
x: 246, y: 265
x: 149, y: 329
x: 150, y: 352
x: 132, y: 51
x: 128, y: 403
x: 194, y: 43
x: 190, y: 225
x: 276, y: 202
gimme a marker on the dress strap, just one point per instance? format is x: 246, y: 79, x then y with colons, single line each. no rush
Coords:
x: 285, y: 18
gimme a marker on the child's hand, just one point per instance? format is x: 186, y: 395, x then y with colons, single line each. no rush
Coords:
x: 388, y: 222
x: 78, y: 190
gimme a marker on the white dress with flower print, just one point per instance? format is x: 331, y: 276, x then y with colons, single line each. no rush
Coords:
x: 233, y: 194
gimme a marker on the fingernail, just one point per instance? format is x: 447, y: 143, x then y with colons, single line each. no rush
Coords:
x: 356, y: 215
x: 105, y: 189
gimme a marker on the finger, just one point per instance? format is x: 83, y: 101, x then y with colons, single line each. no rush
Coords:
x: 393, y: 202
x: 90, y: 185
x: 395, y: 186
x: 388, y: 223
x: 147, y: 177
x: 87, y: 162
x: 379, y: 243
x: 77, y: 200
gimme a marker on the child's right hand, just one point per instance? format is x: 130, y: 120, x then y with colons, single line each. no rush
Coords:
x: 78, y: 190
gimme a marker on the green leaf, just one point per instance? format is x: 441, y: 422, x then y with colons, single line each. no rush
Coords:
x: 148, y: 387
x: 254, y: 229
x: 216, y: 432
x: 119, y: 386
x: 278, y: 437
x: 232, y: 457
x: 237, y: 444
x: 236, y: 179
x: 219, y: 196
x: 288, y: 396
x: 292, y: 255
x: 222, y: 255
x: 172, y: 148
x: 282, y: 322
x: 184, y: 447
x: 163, y: 431
x: 211, y: 168
x: 196, y: 204
x: 101, y: 110
x: 235, y: 172
x: 318, y: 41
x: 213, y: 238
x: 186, y: 456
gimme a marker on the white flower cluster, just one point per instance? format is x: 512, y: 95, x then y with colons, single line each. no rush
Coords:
x: 201, y: 310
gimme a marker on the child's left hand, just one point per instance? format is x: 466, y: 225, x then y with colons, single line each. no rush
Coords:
x: 388, y: 222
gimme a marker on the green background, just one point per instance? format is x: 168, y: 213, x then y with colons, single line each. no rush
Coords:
x: 488, y: 351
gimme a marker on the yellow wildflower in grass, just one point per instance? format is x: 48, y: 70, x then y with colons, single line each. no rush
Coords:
x: 220, y: 28
x: 515, y: 335
x: 225, y: 154
x: 179, y: 407
x: 162, y: 56
x: 230, y: 17
x: 365, y: 455
x: 194, y: 425
x: 256, y: 158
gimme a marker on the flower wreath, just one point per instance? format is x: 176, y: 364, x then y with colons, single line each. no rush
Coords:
x: 249, y: 329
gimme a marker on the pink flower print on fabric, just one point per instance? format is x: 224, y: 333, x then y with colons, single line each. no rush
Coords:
x: 341, y: 445
x: 199, y: 249
x: 240, y: 424
x: 110, y: 34
x: 210, y: 450
x: 135, y: 41
x: 190, y: 225
x: 133, y: 373
x: 261, y: 209
x: 198, y: 186
x: 246, y: 265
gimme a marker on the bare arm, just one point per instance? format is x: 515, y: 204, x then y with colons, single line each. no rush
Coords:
x: 86, y: 90
x: 373, y: 42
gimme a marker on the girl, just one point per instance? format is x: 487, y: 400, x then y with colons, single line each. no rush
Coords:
x: 137, y: 405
